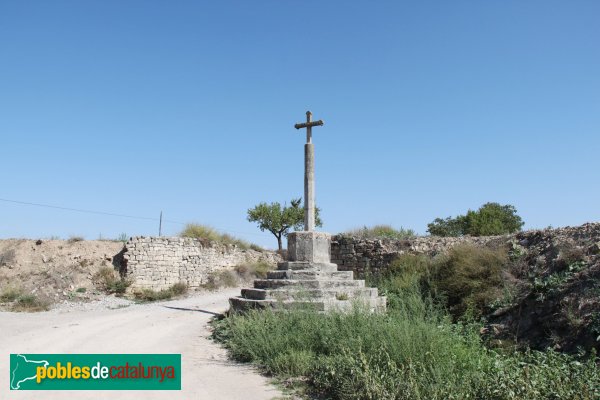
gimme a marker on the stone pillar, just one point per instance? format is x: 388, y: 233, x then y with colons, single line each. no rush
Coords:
x: 309, y: 187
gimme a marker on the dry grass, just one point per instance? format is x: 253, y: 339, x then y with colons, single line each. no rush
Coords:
x: 205, y: 232
x: 29, y: 303
x: 108, y: 280
x: 10, y: 293
x: 380, y: 232
x: 148, y: 295
x: 7, y: 257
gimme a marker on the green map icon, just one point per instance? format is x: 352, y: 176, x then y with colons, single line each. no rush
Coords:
x: 23, y: 370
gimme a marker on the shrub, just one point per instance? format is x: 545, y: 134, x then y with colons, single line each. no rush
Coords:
x: 148, y: 295
x: 108, y: 281
x: 204, y: 232
x: 380, y: 232
x: 466, y: 280
x: 469, y: 278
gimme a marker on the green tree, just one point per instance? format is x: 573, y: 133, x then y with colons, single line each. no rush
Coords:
x: 490, y: 219
x: 279, y: 219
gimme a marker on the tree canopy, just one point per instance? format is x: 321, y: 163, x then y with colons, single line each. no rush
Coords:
x: 490, y: 219
x: 279, y: 219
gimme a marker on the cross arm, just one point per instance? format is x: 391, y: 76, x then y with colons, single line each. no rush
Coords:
x: 309, y: 124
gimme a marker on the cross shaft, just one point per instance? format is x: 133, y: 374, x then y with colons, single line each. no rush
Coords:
x: 309, y: 172
x: 308, y: 125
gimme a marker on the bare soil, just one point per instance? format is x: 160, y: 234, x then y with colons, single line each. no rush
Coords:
x: 56, y: 271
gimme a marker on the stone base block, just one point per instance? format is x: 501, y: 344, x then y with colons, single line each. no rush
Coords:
x: 312, y: 247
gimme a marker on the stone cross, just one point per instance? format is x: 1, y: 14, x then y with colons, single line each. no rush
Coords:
x: 309, y: 172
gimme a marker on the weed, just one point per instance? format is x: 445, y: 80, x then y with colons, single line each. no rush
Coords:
x: 81, y: 290
x: 341, y: 296
x: 550, y: 285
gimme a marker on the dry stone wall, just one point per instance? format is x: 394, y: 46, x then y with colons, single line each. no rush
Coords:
x: 159, y: 262
x: 375, y: 255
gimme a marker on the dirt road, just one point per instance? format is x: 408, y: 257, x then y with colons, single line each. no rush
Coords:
x: 178, y: 326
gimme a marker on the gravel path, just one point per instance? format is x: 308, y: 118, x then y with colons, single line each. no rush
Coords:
x: 117, y: 326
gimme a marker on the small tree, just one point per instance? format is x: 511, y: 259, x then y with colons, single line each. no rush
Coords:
x: 279, y: 220
x: 490, y: 219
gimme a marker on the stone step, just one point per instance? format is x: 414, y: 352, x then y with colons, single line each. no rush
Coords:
x: 312, y: 294
x: 239, y: 304
x: 310, y: 274
x: 307, y: 283
x: 242, y: 304
x: 302, y: 265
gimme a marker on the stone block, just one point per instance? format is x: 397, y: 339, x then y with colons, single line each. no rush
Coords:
x: 314, y: 247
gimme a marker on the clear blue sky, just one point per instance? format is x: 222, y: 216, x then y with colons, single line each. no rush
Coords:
x: 431, y: 108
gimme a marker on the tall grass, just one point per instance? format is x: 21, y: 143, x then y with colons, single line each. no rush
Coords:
x: 413, y: 352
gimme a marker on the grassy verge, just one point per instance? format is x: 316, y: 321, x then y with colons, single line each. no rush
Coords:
x: 413, y: 352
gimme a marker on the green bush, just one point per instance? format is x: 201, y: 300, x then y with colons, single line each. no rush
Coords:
x: 204, y: 232
x: 469, y: 278
x: 465, y: 281
x: 380, y: 232
x: 490, y: 219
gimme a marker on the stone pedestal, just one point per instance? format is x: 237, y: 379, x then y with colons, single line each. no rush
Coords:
x: 308, y: 279
x: 311, y: 247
